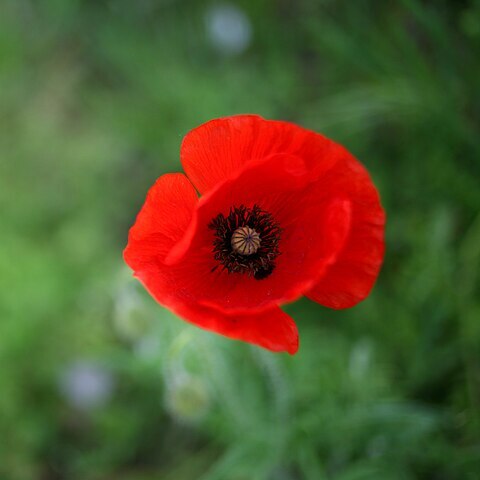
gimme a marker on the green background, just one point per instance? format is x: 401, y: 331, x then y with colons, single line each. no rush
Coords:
x: 97, y: 381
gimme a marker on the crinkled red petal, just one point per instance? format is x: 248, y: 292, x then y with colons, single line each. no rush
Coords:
x: 272, y: 329
x: 217, y: 149
x: 162, y: 221
x: 350, y: 279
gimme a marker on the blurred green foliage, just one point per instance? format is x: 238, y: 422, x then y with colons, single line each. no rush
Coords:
x: 99, y: 382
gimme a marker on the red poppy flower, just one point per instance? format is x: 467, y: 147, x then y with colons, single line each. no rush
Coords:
x: 283, y: 212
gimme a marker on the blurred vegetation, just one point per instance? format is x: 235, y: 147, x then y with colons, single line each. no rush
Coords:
x: 97, y: 381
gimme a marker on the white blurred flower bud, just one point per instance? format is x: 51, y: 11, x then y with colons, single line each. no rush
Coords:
x: 86, y: 385
x: 187, y: 397
x: 228, y: 29
x: 132, y: 320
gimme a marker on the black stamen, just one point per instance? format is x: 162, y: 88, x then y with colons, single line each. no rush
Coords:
x: 256, y: 259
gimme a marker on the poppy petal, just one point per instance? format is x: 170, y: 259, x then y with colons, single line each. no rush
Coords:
x: 162, y: 221
x: 272, y: 329
x: 217, y: 149
x: 350, y: 279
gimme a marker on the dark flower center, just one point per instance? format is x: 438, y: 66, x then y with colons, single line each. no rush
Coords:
x: 246, y: 241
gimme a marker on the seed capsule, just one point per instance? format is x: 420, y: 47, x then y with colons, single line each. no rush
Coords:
x: 245, y: 241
